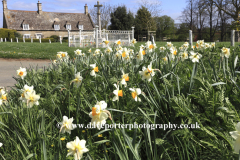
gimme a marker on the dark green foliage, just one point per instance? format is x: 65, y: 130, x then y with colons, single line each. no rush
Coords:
x: 121, y: 20
x: 7, y: 33
x: 55, y: 37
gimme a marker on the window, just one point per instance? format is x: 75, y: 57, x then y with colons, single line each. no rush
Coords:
x: 56, y: 26
x: 80, y: 27
x: 26, y: 36
x: 25, y: 26
x: 38, y: 35
x: 68, y: 26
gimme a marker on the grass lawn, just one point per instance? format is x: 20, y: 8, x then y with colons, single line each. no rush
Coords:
x: 48, y: 51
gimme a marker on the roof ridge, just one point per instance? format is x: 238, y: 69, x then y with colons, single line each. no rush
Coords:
x: 44, y: 11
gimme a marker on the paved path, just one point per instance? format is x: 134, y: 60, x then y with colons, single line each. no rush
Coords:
x: 9, y: 67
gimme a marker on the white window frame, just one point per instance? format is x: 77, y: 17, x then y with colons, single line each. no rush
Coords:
x: 26, y: 36
x: 37, y: 35
x: 68, y: 26
x: 56, y: 26
x: 25, y: 26
x: 80, y: 27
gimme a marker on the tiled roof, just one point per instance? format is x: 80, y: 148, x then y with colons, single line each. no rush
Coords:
x: 45, y: 21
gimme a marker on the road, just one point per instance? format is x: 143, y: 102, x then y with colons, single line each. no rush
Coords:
x: 9, y: 67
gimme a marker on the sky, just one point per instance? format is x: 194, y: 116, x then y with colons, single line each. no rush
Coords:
x: 172, y: 8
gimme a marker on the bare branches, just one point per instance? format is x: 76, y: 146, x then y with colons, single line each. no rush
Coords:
x: 153, y: 6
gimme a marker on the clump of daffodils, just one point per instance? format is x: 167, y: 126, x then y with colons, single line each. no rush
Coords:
x: 236, y: 136
x: 22, y: 72
x: 225, y: 52
x: 195, y: 56
x: 99, y: 114
x: 78, y: 79
x: 77, y: 148
x: 29, y: 96
x: 66, y: 125
x: 147, y: 73
x: 3, y: 96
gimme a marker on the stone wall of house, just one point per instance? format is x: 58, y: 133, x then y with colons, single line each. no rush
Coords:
x: 46, y: 34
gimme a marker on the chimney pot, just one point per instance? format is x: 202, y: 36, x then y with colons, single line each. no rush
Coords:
x: 86, y: 9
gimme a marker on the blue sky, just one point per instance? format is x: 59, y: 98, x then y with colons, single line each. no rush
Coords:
x: 172, y: 8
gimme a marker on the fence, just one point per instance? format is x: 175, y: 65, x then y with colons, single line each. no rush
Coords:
x: 96, y: 38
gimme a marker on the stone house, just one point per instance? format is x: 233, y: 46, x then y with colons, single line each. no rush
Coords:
x: 44, y: 24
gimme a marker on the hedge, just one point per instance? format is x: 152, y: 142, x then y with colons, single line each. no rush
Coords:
x: 35, y: 40
x: 7, y: 33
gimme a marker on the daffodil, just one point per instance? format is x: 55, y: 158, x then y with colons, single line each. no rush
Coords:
x: 185, y: 45
x: 63, y: 56
x: 78, y: 52
x: 94, y: 69
x: 1, y: 144
x: 90, y: 50
x: 225, y: 52
x: 173, y: 52
x: 183, y: 55
x: 135, y: 93
x: 25, y: 89
x: 200, y: 42
x: 106, y: 42
x: 169, y: 45
x: 162, y: 49
x: 77, y: 148
x: 133, y: 41
x: 165, y: 59
x: 97, y: 52
x: 22, y: 72
x: 3, y: 97
x: 62, y: 139
x: 147, y: 73
x: 195, y: 56
x: 78, y: 79
x: 117, y: 93
x: 118, y: 54
x: 108, y: 50
x: 149, y: 46
x: 66, y: 125
x: 32, y: 98
x: 236, y: 136
x: 140, y: 55
x: 206, y: 45
x: 125, y: 54
x: 212, y: 45
x: 125, y: 79
x: 99, y: 114
x: 100, y: 135
x: 118, y: 42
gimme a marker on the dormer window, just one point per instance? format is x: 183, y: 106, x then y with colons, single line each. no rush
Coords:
x: 25, y: 26
x: 68, y: 26
x: 80, y: 27
x: 56, y: 26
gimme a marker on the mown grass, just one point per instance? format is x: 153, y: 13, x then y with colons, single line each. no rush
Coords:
x: 48, y: 51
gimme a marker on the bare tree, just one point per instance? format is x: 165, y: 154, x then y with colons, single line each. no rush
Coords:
x: 230, y: 7
x: 153, y: 6
x: 106, y: 11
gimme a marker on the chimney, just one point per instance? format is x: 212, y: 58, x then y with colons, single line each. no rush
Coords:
x: 86, y: 9
x: 39, y: 5
x: 4, y: 5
